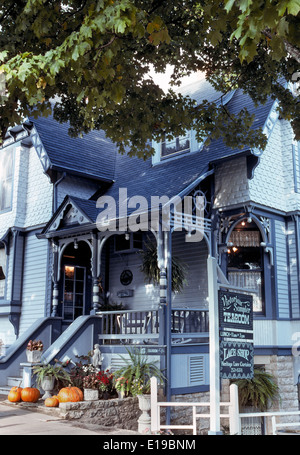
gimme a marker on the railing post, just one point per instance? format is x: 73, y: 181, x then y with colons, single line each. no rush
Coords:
x: 234, y: 416
x: 155, y: 421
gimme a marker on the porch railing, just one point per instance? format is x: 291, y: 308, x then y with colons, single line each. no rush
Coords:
x: 131, y: 326
x: 189, y: 325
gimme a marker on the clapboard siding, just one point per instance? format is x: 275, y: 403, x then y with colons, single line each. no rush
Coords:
x: 35, y: 280
x: 282, y: 270
x: 293, y: 269
x: 194, y: 256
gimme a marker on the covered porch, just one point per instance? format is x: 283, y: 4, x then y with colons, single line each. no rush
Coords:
x: 100, y: 272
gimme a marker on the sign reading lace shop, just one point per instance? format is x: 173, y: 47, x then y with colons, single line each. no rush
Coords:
x: 236, y: 335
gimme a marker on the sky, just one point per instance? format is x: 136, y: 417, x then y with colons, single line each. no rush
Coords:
x: 163, y: 79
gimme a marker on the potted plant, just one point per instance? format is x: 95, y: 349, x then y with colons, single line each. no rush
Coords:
x: 47, y: 375
x: 34, y: 351
x: 121, y: 386
x: 258, y: 392
x: 91, y: 385
x: 134, y: 378
x: 152, y: 272
x: 106, y: 387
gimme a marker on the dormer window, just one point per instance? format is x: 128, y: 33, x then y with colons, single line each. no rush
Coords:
x: 6, y: 178
x: 177, y: 147
x: 174, y: 146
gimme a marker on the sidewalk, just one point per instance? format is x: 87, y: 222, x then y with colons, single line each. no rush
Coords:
x: 15, y: 420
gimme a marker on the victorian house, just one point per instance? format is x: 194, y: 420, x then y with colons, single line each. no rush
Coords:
x: 73, y: 265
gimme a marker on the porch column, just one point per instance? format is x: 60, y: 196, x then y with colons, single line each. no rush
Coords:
x: 162, y: 285
x: 168, y: 316
x: 214, y: 350
x: 94, y: 268
x: 55, y: 290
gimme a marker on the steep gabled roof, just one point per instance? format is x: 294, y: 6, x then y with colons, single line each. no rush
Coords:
x: 92, y: 156
x: 72, y: 213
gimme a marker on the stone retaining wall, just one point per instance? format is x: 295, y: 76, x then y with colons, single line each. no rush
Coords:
x: 119, y: 413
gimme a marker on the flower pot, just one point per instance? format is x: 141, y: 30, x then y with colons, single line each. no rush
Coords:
x: 91, y: 394
x: 47, y: 385
x: 34, y: 356
x: 144, y: 421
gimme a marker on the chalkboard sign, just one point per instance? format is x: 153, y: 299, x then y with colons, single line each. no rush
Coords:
x: 235, y: 310
x: 236, y: 335
x: 236, y: 360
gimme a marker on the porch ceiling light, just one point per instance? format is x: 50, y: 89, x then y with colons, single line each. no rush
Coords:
x: 75, y: 244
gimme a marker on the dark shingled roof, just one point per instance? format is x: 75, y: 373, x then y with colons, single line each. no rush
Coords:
x: 171, y: 177
x: 92, y: 155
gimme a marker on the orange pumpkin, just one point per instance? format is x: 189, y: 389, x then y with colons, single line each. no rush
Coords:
x: 80, y: 393
x: 52, y: 402
x: 30, y: 394
x: 14, y: 394
x: 72, y: 394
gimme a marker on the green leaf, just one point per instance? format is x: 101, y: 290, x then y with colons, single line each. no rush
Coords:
x: 293, y: 7
x: 229, y: 4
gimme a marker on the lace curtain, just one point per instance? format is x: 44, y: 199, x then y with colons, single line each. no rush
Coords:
x: 248, y: 280
x: 251, y: 280
x: 245, y: 238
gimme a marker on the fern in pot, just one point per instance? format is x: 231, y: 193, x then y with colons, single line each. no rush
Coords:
x: 134, y: 378
x: 259, y: 392
x: 151, y: 270
x: 48, y: 375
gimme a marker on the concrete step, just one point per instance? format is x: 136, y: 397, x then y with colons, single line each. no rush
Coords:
x: 14, y: 381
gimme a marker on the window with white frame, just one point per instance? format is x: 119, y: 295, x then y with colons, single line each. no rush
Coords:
x: 245, y: 261
x: 176, y: 145
x: 6, y: 178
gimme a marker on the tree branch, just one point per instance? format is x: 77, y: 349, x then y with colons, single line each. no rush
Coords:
x: 292, y: 50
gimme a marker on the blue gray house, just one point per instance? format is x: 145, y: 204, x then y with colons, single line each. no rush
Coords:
x: 73, y: 277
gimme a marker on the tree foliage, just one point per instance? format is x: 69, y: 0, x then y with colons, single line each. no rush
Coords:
x: 89, y: 62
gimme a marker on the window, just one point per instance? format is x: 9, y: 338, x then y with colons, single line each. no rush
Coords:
x: 6, y: 177
x: 178, y: 145
x: 245, y: 261
x: 2, y: 271
x: 128, y: 242
x: 74, y: 292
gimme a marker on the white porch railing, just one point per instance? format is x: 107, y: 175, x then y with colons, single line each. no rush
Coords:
x: 233, y: 414
x: 156, y: 406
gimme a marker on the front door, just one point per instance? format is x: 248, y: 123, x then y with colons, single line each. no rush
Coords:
x: 73, y: 293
